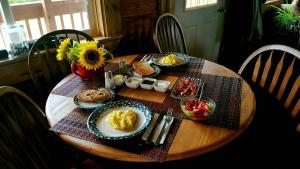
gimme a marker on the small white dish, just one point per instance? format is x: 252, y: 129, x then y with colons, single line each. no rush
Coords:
x: 161, y: 85
x: 119, y: 79
x: 133, y: 82
x: 147, y: 83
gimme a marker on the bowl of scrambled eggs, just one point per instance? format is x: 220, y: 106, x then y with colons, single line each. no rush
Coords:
x: 119, y: 120
x: 171, y: 59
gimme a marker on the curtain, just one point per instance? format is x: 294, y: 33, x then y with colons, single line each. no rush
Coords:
x: 104, y: 17
x: 96, y: 18
x: 256, y: 30
x: 242, y: 31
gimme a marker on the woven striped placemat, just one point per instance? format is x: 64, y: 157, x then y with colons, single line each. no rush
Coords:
x: 74, y: 124
x: 225, y: 91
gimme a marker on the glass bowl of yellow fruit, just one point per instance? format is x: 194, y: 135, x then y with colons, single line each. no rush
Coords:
x: 170, y: 59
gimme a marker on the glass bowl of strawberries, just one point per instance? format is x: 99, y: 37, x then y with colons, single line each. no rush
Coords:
x: 196, y: 109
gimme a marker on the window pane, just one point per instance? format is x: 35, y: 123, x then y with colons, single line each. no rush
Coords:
x: 86, y: 20
x: 62, y: 14
x: 35, y: 33
x: 21, y: 1
x: 70, y: 13
x: 78, y: 23
x: 199, y: 3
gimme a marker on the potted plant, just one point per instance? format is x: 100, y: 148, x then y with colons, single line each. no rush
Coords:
x: 287, y: 18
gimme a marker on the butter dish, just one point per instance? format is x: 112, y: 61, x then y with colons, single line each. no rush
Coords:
x: 133, y: 82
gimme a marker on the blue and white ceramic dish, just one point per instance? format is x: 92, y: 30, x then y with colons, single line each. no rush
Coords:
x: 98, y: 124
x: 93, y: 105
x: 183, y: 57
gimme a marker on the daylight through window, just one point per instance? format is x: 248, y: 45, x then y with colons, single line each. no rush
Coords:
x: 199, y: 3
x: 38, y: 19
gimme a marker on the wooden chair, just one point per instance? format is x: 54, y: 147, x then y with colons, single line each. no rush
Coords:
x: 276, y: 69
x: 168, y: 35
x: 273, y: 72
x: 25, y: 139
x: 44, y: 69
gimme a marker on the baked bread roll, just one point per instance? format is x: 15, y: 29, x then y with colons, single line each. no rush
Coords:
x: 143, y: 68
x: 94, y: 95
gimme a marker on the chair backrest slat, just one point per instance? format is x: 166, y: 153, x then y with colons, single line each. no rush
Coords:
x: 165, y: 33
x: 285, y: 80
x: 296, y: 109
x: 276, y: 74
x: 256, y: 69
x: 46, y: 74
x: 172, y: 34
x: 266, y: 70
x: 292, y: 93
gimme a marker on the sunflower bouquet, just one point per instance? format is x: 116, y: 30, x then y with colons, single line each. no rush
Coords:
x: 87, y: 54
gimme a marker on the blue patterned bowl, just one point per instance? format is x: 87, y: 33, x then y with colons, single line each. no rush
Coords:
x: 183, y: 57
x: 98, y: 124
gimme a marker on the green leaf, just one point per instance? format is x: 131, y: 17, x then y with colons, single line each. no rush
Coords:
x: 285, y: 19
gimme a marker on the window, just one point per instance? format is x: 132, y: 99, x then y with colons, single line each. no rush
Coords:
x: 192, y: 4
x: 39, y: 17
x: 98, y: 18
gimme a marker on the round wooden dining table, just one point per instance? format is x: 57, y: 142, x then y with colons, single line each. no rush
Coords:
x: 202, y: 138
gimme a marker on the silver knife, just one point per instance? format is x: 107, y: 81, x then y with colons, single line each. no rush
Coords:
x: 150, y: 130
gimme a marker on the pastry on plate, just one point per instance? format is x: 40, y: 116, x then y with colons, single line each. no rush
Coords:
x: 143, y: 68
x: 94, y: 95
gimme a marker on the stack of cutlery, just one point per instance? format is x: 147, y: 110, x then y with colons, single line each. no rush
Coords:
x: 158, y: 129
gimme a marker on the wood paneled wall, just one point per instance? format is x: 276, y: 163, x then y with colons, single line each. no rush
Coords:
x: 138, y: 19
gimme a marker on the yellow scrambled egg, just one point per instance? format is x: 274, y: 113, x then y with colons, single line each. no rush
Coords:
x: 170, y: 59
x: 122, y: 120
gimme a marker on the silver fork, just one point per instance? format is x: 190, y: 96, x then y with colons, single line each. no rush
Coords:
x: 149, y: 59
x: 144, y: 58
x: 167, y: 121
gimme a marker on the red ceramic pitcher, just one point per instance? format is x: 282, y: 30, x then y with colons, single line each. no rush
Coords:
x: 83, y: 72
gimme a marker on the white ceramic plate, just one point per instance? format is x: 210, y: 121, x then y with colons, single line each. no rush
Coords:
x: 98, y: 124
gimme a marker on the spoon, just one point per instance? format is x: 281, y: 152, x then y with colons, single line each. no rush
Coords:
x: 201, y: 92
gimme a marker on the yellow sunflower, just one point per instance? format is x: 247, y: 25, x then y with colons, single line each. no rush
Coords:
x: 90, y: 56
x: 63, y: 49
